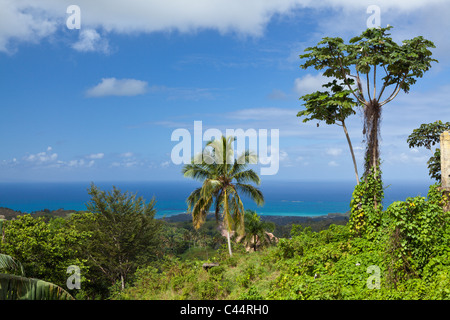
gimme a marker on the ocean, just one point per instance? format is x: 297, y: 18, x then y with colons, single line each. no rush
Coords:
x: 284, y: 198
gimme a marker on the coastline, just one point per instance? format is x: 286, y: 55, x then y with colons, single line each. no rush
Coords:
x: 7, y: 213
x: 277, y: 219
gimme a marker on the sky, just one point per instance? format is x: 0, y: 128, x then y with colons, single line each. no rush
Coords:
x: 101, y: 102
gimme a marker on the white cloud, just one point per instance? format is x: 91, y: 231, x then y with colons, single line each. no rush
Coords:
x: 19, y: 23
x: 118, y: 87
x: 49, y: 159
x: 165, y: 164
x: 91, y: 41
x: 31, y: 20
x: 127, y: 154
x: 42, y: 157
x: 80, y: 163
x: 310, y: 83
x: 333, y: 164
x: 334, y: 152
x: 99, y: 155
x: 126, y: 164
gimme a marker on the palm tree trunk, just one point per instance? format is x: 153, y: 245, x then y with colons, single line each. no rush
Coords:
x: 351, y: 151
x: 229, y: 242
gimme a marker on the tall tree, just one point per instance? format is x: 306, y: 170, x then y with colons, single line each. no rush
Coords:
x: 223, y: 178
x: 376, y: 63
x: 125, y: 233
x: 333, y: 108
x: 427, y: 135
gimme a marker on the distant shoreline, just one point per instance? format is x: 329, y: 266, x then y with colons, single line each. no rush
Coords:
x: 7, y: 213
x: 277, y: 219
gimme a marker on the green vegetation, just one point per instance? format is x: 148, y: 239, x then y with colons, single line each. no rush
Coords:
x: 224, y: 177
x: 374, y: 50
x: 405, y: 247
x: 18, y: 287
x: 123, y: 252
x: 409, y: 249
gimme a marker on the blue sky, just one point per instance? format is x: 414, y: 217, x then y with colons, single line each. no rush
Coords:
x: 100, y: 103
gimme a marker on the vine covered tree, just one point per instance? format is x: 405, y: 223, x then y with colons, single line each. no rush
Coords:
x: 377, y: 65
x: 223, y: 178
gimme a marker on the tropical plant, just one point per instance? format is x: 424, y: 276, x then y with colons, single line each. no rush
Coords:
x: 372, y: 51
x: 18, y: 287
x: 45, y: 249
x: 255, y: 229
x: 364, y: 216
x: 124, y: 233
x: 224, y: 177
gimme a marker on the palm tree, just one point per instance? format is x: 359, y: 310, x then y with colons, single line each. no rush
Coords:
x: 223, y: 177
x: 18, y: 287
x: 255, y: 229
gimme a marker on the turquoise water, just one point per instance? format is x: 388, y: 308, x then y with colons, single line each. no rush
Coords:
x: 288, y: 198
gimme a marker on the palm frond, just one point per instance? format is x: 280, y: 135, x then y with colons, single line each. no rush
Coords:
x: 247, y: 176
x: 193, y: 198
x: 10, y: 265
x: 210, y: 188
x: 254, y: 193
x: 196, y: 171
x: 200, y: 212
x: 237, y: 209
x: 14, y: 287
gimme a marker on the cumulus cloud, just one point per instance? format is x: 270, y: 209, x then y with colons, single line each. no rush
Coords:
x: 49, y: 159
x: 32, y: 21
x: 91, y: 41
x: 20, y: 23
x: 80, y: 163
x: 310, y: 83
x: 42, y: 157
x: 118, y: 87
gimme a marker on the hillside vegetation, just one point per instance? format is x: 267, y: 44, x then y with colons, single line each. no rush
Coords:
x: 407, y: 257
x: 401, y: 252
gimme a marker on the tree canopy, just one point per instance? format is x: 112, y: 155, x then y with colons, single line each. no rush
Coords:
x: 368, y: 59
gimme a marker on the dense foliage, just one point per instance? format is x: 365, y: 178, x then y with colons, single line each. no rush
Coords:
x: 406, y: 256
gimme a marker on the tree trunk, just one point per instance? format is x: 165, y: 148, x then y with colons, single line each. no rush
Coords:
x: 372, y: 116
x: 229, y: 242
x: 351, y: 151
